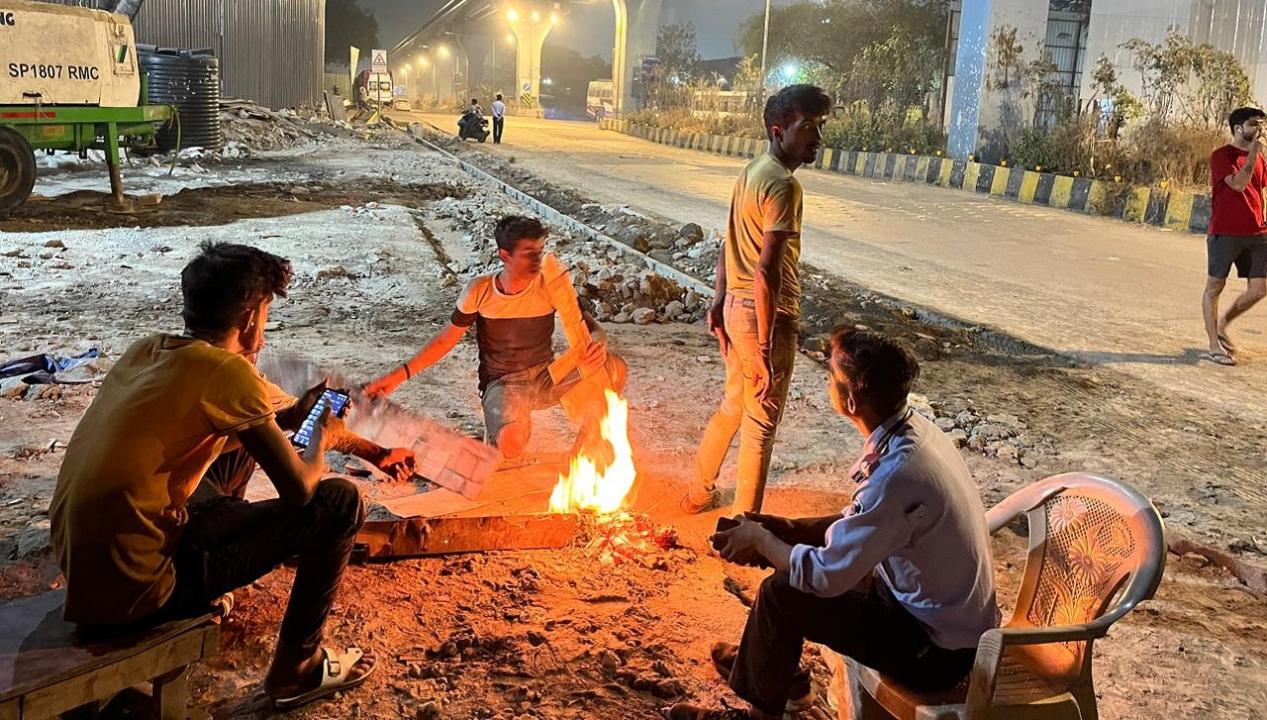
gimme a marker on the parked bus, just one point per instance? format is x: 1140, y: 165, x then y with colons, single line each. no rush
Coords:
x: 600, y: 99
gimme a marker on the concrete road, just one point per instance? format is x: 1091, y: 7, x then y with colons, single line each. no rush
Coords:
x: 1105, y: 291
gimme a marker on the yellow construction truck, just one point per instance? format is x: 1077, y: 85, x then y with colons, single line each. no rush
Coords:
x: 70, y: 82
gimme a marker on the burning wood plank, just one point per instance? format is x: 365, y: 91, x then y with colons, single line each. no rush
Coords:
x: 417, y: 537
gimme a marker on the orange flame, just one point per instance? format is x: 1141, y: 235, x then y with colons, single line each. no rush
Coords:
x: 585, y: 487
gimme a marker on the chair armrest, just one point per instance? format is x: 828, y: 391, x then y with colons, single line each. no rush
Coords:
x: 1059, y: 634
x: 985, y: 668
x: 997, y: 517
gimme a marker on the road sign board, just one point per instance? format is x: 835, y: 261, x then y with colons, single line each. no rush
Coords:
x: 378, y: 61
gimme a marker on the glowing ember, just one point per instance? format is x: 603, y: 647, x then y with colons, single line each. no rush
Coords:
x: 585, y: 487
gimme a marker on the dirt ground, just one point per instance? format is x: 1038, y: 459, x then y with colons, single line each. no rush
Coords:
x: 558, y: 634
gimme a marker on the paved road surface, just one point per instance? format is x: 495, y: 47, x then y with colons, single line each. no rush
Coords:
x: 1105, y: 291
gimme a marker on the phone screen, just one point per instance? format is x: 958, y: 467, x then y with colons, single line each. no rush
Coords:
x: 338, y: 402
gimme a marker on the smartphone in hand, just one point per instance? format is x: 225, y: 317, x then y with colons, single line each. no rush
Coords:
x: 337, y: 400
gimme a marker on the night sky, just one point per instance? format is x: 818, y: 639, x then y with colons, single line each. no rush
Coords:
x: 589, y: 29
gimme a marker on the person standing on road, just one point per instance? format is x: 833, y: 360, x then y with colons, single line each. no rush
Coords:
x: 758, y: 303
x: 499, y: 119
x: 1238, y: 232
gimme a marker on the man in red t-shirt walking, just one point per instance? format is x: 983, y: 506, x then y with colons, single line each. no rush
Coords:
x: 1238, y: 233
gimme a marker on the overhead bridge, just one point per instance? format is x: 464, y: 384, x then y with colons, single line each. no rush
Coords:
x: 456, y: 47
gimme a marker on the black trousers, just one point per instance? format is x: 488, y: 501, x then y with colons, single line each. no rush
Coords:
x: 499, y: 124
x: 867, y: 624
x: 229, y: 542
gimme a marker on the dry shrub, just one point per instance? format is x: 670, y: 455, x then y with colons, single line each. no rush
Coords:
x: 1157, y: 152
x: 682, y: 120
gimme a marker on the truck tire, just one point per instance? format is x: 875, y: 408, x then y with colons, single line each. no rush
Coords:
x: 17, y: 170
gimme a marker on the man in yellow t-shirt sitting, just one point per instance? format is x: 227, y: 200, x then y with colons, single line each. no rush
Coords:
x: 148, y: 517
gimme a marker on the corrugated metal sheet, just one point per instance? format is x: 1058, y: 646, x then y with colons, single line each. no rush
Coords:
x: 271, y: 51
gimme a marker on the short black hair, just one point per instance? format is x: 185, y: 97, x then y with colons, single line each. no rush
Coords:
x: 225, y: 280
x: 474, y: 100
x: 1240, y: 116
x: 880, y: 370
x: 499, y: 96
x: 513, y: 228
x: 782, y: 107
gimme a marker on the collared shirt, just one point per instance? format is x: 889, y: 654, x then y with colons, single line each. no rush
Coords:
x: 499, y: 109
x: 917, y: 522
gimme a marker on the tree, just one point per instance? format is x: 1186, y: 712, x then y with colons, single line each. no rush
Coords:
x: 671, y: 84
x: 347, y: 24
x: 1196, y: 84
x: 833, y: 34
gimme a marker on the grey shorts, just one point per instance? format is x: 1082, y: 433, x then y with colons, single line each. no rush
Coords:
x: 511, y: 399
x: 1247, y: 252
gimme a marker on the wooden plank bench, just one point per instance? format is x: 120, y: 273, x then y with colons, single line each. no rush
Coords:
x: 47, y: 669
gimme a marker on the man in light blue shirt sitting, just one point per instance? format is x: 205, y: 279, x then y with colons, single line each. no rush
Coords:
x: 901, y: 580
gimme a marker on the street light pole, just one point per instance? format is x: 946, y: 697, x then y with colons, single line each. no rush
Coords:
x: 765, y: 44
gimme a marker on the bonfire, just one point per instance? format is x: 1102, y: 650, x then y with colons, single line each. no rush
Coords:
x: 599, y: 483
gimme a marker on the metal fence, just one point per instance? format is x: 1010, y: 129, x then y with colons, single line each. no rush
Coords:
x: 271, y: 51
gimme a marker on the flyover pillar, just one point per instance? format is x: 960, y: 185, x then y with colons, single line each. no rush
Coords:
x: 531, y: 24
x: 637, y: 22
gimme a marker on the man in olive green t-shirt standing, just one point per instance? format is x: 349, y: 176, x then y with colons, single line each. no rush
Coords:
x: 756, y: 314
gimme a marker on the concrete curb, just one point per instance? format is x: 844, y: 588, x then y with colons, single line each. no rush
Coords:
x: 1158, y: 206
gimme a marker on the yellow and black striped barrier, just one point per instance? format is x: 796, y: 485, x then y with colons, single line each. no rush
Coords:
x: 1160, y: 206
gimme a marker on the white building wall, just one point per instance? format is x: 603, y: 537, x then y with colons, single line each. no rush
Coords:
x: 1236, y: 26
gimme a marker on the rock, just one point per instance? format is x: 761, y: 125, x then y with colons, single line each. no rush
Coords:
x: 1028, y: 461
x: 667, y: 689
x: 946, y: 424
x: 1010, y: 421
x: 643, y: 316
x: 993, y: 431
x: 610, y: 662
x: 691, y: 233
x: 641, y: 244
x: 692, y: 301
x: 621, y: 318
x: 673, y: 309
x: 919, y: 403
x: 964, y: 418
x: 535, y: 638
x: 958, y: 437
x: 35, y: 538
x: 1006, y: 452
x: 55, y: 243
x: 427, y: 711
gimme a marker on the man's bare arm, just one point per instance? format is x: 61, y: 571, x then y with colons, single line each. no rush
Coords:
x: 295, y: 476
x: 767, y: 283
x: 430, y: 354
x: 1239, y: 180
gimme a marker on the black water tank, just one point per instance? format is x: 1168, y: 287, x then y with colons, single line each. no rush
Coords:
x: 190, y: 80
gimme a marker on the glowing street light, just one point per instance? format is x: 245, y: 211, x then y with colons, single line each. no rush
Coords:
x: 547, y: 82
x: 510, y: 38
x: 554, y: 18
x: 789, y: 71
x: 512, y: 15
x: 444, y: 51
x: 423, y: 61
x: 536, y: 16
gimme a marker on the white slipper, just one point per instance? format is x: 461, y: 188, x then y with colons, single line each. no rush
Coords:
x: 334, y: 678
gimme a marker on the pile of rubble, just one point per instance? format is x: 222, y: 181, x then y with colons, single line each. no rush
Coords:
x: 249, y: 128
x: 613, y: 286
x: 686, y: 248
x: 994, y: 435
